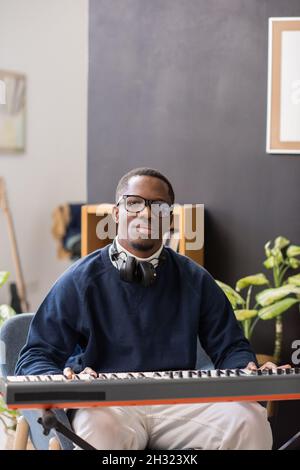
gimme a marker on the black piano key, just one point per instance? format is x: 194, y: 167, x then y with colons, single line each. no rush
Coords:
x: 157, y: 375
x: 44, y: 378
x: 177, y: 374
x: 203, y: 373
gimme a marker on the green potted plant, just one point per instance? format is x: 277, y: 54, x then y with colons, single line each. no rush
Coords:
x: 282, y: 293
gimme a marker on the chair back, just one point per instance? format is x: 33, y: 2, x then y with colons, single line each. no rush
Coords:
x: 13, y: 335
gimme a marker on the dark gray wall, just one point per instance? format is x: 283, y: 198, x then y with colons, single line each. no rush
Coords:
x: 181, y: 85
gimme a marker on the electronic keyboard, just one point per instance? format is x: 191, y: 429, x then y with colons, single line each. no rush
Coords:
x: 150, y: 388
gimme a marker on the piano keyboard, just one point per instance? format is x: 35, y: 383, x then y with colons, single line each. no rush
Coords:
x: 146, y: 388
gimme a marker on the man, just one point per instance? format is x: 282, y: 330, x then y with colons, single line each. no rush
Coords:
x: 125, y: 326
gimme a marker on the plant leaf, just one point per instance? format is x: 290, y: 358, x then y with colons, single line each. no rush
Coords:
x: 268, y: 249
x: 269, y: 262
x: 242, y: 315
x: 272, y: 311
x: 234, y: 298
x: 281, y: 242
x: 294, y: 263
x: 293, y: 250
x: 5, y: 312
x: 254, y: 280
x: 278, y: 258
x: 295, y: 280
x: 269, y: 296
x: 3, y: 277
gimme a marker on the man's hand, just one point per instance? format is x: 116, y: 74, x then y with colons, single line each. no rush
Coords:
x: 266, y: 366
x: 70, y: 374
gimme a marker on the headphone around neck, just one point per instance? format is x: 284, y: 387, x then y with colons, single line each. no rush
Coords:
x: 132, y: 270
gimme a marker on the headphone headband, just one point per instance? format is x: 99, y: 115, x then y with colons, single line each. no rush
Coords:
x: 133, y: 270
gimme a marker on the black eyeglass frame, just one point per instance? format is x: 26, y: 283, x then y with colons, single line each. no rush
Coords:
x: 147, y: 202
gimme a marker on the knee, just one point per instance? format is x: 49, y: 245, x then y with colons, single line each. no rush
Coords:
x: 249, y: 428
x: 100, y: 427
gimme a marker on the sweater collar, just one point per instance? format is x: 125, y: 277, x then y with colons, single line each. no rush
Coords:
x: 153, y: 259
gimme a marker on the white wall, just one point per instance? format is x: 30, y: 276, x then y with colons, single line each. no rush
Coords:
x: 48, y: 41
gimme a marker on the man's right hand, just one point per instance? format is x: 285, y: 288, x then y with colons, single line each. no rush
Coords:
x: 70, y: 374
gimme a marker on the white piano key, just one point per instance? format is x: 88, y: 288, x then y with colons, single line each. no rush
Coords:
x: 58, y: 378
x: 45, y: 378
x: 33, y: 378
x: 16, y: 378
x: 85, y: 377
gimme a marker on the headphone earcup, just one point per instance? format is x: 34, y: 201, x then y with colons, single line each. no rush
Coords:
x: 132, y: 270
x: 128, y: 269
x: 146, y: 273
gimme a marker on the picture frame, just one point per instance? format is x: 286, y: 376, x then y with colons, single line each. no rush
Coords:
x: 283, y: 110
x: 12, y: 112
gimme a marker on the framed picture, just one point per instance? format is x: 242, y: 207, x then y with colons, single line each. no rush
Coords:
x: 12, y: 112
x: 283, y: 121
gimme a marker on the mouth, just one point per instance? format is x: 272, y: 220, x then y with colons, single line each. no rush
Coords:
x: 143, y: 229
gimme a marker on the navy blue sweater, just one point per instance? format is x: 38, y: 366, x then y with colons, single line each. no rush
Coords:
x: 128, y: 327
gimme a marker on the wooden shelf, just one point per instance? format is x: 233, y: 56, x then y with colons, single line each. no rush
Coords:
x: 92, y: 214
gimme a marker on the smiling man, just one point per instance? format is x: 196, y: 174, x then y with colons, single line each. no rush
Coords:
x: 136, y: 305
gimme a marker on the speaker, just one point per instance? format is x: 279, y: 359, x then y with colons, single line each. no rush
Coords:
x: 133, y: 270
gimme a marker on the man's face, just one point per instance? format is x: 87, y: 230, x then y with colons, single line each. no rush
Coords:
x: 142, y: 232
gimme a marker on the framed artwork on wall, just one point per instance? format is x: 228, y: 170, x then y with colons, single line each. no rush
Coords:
x: 12, y: 112
x: 2, y: 92
x: 283, y: 115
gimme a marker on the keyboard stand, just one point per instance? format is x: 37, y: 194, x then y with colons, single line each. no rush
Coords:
x: 49, y: 421
x: 292, y: 444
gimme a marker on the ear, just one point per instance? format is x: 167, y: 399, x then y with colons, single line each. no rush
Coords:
x: 172, y: 219
x: 115, y: 214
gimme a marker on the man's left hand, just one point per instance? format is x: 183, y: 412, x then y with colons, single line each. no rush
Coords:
x: 266, y: 366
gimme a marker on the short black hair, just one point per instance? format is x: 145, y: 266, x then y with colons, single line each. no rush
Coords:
x: 142, y: 171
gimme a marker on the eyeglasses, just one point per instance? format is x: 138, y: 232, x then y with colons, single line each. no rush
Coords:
x: 136, y: 204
